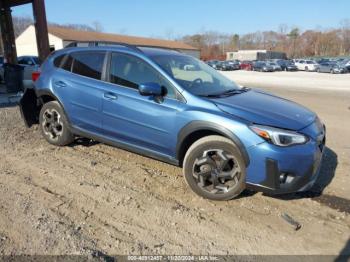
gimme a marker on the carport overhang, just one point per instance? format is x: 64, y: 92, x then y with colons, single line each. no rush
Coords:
x: 8, y: 34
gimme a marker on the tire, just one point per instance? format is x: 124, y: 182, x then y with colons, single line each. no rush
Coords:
x: 332, y: 71
x: 54, y: 124
x: 318, y: 71
x: 214, y: 168
x: 306, y: 69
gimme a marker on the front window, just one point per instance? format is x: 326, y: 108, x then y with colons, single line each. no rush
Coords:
x: 195, y: 76
x: 130, y: 71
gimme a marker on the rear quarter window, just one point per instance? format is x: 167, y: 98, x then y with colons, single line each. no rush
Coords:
x: 58, y: 61
x: 67, y: 63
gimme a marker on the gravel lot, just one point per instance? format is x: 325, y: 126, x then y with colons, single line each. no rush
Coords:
x: 94, y: 199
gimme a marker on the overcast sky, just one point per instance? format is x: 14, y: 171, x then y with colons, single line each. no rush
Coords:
x: 174, y: 18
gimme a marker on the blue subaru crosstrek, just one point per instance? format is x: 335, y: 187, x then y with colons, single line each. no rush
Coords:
x: 172, y: 107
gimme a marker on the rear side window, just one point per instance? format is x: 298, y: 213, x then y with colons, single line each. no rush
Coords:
x: 89, y: 64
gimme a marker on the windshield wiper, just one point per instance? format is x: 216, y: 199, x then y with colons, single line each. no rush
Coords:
x: 230, y: 92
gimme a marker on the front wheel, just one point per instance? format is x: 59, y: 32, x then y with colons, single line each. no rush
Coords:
x: 54, y: 125
x: 214, y: 168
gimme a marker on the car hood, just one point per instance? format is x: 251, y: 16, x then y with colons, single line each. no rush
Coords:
x: 262, y: 108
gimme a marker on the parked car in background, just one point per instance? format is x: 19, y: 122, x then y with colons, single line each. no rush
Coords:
x: 235, y: 64
x: 262, y: 67
x: 307, y: 65
x: 28, y: 60
x: 287, y: 65
x: 226, y: 66
x: 30, y: 65
x: 332, y: 67
x: 246, y: 65
x: 274, y: 65
x: 214, y: 64
x: 322, y: 60
x: 226, y: 138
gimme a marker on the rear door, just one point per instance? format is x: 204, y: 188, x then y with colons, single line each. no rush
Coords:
x: 79, y: 89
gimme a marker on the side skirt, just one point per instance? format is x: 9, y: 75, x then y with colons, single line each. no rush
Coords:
x: 127, y: 147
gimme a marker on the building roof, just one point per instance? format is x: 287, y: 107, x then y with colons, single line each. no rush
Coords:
x: 68, y: 34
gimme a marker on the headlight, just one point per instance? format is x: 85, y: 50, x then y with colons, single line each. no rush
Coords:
x: 279, y: 137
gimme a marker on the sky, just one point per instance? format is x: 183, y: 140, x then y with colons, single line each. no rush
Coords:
x: 176, y: 18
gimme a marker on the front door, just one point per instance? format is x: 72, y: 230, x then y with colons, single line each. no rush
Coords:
x: 142, y: 121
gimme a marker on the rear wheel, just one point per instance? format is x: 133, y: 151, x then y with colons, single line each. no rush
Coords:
x: 54, y: 125
x: 214, y: 168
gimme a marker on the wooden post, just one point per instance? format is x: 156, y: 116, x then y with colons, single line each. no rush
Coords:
x: 41, y: 30
x: 8, y: 34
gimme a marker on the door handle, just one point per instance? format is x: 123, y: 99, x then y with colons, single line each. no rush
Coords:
x: 110, y: 96
x: 60, y: 84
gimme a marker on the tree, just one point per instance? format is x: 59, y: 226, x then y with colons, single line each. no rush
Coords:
x: 97, y: 26
x: 293, y: 35
x: 234, y: 43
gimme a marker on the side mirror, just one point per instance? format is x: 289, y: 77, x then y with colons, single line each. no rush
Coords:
x: 150, y: 89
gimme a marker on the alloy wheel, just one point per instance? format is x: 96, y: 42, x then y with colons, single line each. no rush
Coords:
x: 216, y: 171
x: 52, y: 124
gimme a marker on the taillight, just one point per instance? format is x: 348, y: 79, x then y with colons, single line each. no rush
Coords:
x: 35, y: 75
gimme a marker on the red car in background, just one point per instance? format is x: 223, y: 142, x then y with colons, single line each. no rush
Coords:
x: 246, y: 65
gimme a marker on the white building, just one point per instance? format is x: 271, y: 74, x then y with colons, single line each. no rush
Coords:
x: 251, y: 55
x: 60, y: 37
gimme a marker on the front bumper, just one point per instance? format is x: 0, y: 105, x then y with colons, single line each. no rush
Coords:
x: 278, y: 170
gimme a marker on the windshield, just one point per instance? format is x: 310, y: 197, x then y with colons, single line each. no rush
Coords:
x: 195, y: 76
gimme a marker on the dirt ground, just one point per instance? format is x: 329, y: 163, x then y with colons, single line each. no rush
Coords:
x: 94, y: 199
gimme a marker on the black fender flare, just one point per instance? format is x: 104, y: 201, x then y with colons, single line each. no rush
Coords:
x: 40, y: 93
x: 209, y: 126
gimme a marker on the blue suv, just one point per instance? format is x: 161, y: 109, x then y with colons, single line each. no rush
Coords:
x: 172, y: 107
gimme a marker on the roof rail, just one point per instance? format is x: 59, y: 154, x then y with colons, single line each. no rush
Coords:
x: 103, y: 43
x: 107, y: 43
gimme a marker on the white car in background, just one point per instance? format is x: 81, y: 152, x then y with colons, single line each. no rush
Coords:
x: 307, y: 65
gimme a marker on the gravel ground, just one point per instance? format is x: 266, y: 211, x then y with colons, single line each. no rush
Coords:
x: 91, y: 199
